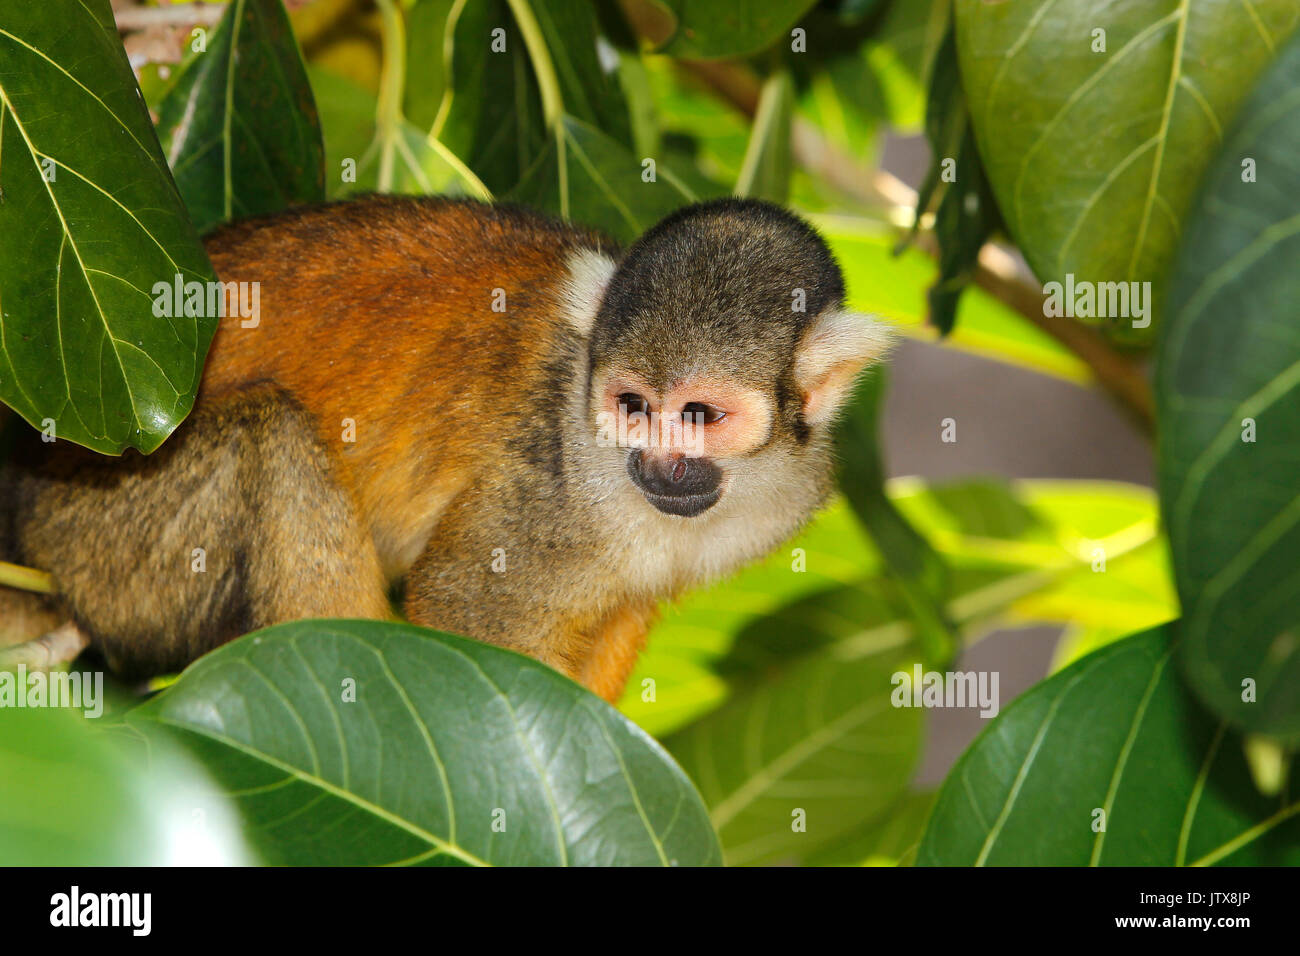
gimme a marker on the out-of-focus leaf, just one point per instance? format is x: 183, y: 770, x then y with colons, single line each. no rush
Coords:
x: 415, y: 747
x: 1228, y: 393
x: 765, y: 173
x: 707, y: 29
x: 1110, y: 762
x: 1152, y: 108
x: 894, y: 286
x: 72, y: 794
x: 426, y: 69
x: 239, y: 125
x: 922, y: 575
x: 1018, y: 554
x: 90, y: 221
x: 348, y: 123
x: 892, y: 839
x: 588, y: 178
x: 792, y: 764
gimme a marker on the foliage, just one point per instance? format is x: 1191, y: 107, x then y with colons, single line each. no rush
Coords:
x: 347, y: 742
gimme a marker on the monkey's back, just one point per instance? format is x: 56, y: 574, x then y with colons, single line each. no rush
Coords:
x: 380, y: 313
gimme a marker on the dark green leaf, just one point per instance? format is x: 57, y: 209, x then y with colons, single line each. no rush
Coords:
x: 1228, y: 388
x: 239, y: 125
x: 451, y: 752
x: 1115, y: 732
x: 90, y: 221
x: 493, y: 119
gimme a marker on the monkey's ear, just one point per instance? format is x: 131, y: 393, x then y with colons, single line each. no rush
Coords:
x: 584, y: 285
x: 833, y: 352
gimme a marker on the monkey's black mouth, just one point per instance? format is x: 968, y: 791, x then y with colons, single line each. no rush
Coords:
x: 683, y: 506
x: 677, y: 486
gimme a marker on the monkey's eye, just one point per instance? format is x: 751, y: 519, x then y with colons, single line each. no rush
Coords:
x: 633, y: 404
x: 708, y: 414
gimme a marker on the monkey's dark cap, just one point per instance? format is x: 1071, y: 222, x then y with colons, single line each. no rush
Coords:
x: 724, y: 265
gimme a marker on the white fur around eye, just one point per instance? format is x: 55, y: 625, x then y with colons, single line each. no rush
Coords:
x: 584, y: 285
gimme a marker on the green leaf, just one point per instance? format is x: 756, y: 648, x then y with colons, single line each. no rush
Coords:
x: 588, y: 90
x: 349, y: 127
x: 818, y: 744
x: 1115, y: 732
x: 765, y: 173
x: 708, y: 29
x: 895, y: 287
x: 1094, y: 160
x: 1228, y: 393
x: 588, y: 178
x: 967, y: 214
x: 239, y: 125
x: 451, y: 752
x: 491, y: 115
x: 1018, y: 555
x: 921, y: 574
x: 890, y: 840
x: 89, y: 221
x: 72, y: 794
x: 426, y: 70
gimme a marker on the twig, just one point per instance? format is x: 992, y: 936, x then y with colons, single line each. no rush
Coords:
x: 170, y: 15
x: 26, y: 579
x: 996, y: 273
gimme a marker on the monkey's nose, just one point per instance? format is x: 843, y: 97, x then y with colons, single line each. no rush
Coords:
x: 674, y: 483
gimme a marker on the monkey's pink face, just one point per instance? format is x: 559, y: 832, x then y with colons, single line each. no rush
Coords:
x: 677, y: 439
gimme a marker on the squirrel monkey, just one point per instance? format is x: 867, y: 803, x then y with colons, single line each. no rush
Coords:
x: 543, y: 436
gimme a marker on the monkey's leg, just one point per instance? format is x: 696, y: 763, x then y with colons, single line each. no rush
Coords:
x: 235, y: 523
x: 611, y: 652
x: 59, y: 646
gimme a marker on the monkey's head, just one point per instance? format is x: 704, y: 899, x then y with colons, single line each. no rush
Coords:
x: 720, y: 355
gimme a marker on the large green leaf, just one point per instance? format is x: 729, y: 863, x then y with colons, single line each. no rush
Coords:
x: 90, y: 221
x: 588, y: 178
x: 1228, y: 387
x: 72, y: 794
x: 451, y: 751
x: 796, y: 761
x: 239, y: 124
x: 1118, y: 733
x: 1094, y: 156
